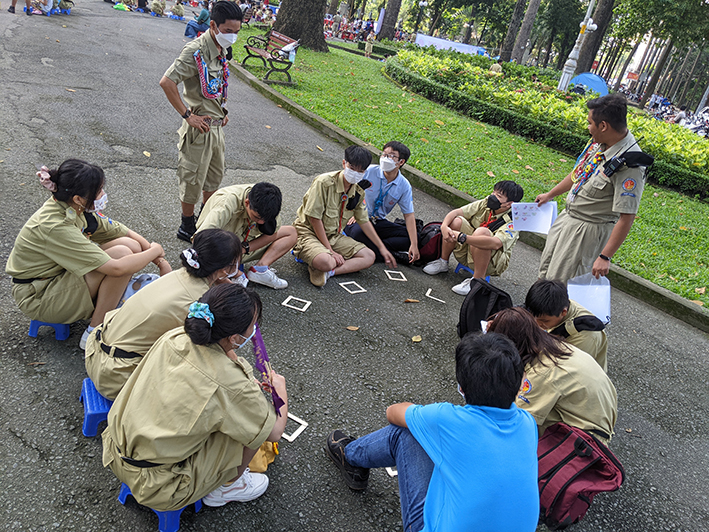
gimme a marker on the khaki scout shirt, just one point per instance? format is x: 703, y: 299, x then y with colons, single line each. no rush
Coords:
x: 53, y: 241
x: 477, y: 213
x: 575, y: 391
x: 595, y: 343
x: 323, y: 201
x: 226, y: 210
x: 603, y: 199
x: 180, y: 394
x: 185, y: 70
x: 152, y: 311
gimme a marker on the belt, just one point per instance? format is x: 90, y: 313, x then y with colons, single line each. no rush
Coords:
x: 28, y: 281
x: 117, y: 351
x: 213, y: 122
x: 137, y: 463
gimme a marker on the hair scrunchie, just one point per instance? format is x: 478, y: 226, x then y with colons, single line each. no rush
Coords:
x: 201, y: 310
x: 45, y: 179
x: 191, y: 257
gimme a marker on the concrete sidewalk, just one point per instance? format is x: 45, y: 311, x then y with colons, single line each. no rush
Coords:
x: 89, y: 90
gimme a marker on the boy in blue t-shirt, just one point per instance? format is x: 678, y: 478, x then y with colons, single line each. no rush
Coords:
x: 471, y: 467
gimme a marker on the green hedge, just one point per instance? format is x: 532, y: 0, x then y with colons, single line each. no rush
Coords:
x: 661, y: 172
x: 378, y: 49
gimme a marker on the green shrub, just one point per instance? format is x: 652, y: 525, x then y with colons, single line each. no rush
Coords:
x: 379, y: 49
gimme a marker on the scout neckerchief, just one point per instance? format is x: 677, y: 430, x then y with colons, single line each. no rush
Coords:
x: 248, y: 230
x: 343, y: 200
x: 586, y: 166
x: 493, y: 224
x: 214, y: 88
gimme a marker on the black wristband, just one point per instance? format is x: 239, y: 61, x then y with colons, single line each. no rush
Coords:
x: 604, y: 257
x: 462, y: 238
x: 187, y: 114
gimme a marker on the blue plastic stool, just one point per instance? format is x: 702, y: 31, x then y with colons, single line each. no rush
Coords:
x: 66, y: 11
x: 299, y: 261
x: 461, y: 267
x: 96, y: 408
x: 167, y: 521
x: 61, y: 330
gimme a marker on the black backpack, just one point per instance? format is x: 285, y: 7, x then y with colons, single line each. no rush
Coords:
x: 482, y: 301
x: 430, y: 242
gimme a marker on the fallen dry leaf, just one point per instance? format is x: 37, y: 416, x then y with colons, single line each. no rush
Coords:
x: 529, y: 168
x: 701, y: 290
x: 563, y: 160
x: 490, y: 173
x: 279, y: 105
x: 352, y: 328
x: 146, y: 153
x: 57, y: 40
x: 416, y: 338
x: 424, y: 140
x: 63, y: 25
x: 268, y: 127
x: 411, y: 301
x: 628, y: 430
x: 318, y: 147
x: 439, y: 122
x: 515, y: 171
x: 70, y: 90
x: 656, y: 195
x: 36, y: 364
x: 697, y: 302
x: 519, y: 157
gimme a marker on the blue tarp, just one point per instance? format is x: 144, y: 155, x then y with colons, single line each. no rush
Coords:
x: 592, y: 81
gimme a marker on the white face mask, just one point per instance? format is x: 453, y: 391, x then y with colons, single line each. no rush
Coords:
x: 225, y: 40
x: 353, y: 177
x: 386, y: 163
x: 99, y: 204
x: 237, y: 346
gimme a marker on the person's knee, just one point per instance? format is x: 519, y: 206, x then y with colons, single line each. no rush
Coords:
x: 288, y: 234
x: 367, y: 255
x: 120, y: 251
x: 482, y: 231
x: 456, y: 224
x: 324, y: 262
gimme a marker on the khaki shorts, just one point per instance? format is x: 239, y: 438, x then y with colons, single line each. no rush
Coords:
x: 307, y: 247
x: 572, y: 247
x: 499, y: 260
x: 108, y: 374
x: 61, y: 299
x: 200, y: 162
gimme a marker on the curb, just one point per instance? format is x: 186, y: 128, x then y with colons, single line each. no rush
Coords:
x: 623, y: 280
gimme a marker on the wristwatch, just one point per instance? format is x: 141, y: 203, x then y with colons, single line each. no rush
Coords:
x: 187, y: 114
x: 462, y: 237
x: 246, y: 246
x: 604, y: 257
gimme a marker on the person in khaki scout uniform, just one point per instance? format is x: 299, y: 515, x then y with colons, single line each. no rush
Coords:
x: 599, y: 210
x: 70, y: 262
x: 251, y: 212
x: 191, y: 436
x: 115, y: 348
x: 327, y: 205
x: 549, y: 303
x: 203, y: 70
x: 562, y: 382
x: 480, y: 235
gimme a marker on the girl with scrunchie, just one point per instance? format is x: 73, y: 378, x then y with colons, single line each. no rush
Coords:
x: 70, y: 262
x: 192, y: 415
x: 116, y: 347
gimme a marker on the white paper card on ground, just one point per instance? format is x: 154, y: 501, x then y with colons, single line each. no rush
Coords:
x: 356, y: 289
x: 428, y: 294
x: 392, y: 472
x: 298, y: 431
x: 303, y: 303
x: 532, y: 217
x: 592, y: 294
x: 395, y: 275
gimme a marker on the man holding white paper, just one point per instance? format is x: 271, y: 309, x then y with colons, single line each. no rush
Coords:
x: 603, y: 197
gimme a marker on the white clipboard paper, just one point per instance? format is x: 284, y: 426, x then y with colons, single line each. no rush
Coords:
x: 533, y: 218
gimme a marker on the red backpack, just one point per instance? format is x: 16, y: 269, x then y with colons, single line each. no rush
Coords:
x: 430, y: 242
x: 573, y: 467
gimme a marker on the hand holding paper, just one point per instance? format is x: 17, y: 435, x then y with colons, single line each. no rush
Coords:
x: 533, y: 217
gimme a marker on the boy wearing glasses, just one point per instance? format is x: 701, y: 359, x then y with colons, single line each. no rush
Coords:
x: 389, y: 188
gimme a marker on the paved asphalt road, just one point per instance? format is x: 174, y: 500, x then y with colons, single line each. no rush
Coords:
x: 87, y: 86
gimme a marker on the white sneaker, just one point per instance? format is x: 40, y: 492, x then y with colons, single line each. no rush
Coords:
x: 267, y: 278
x: 240, y: 280
x: 247, y: 487
x: 84, y: 339
x: 463, y: 288
x: 436, y: 266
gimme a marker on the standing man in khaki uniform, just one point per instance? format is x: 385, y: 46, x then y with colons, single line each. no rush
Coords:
x: 251, y: 212
x: 548, y: 301
x: 600, y: 210
x: 203, y: 70
x: 327, y: 205
x: 480, y: 235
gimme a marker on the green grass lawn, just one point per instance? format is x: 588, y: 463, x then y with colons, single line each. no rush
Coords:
x: 669, y: 242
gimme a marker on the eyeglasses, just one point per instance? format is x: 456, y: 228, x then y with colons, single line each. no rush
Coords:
x: 391, y: 156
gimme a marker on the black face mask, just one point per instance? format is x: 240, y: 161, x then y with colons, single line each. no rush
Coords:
x: 493, y: 203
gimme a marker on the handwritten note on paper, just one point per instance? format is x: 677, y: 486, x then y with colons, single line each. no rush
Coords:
x: 531, y: 217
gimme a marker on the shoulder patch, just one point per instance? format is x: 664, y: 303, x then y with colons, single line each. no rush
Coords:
x: 629, y: 184
x: 524, y: 390
x: 101, y: 215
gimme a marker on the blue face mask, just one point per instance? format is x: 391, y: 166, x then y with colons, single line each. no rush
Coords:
x: 237, y: 346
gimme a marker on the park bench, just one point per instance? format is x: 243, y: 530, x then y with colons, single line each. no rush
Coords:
x: 270, y: 48
x: 247, y: 17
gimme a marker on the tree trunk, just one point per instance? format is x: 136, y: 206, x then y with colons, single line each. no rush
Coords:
x: 564, y: 49
x: 611, y: 60
x: 691, y: 74
x: 616, y: 87
x: 509, y: 43
x: 650, y: 66
x: 669, y: 71
x: 601, y: 17
x: 332, y: 8
x: 549, y: 45
x: 656, y: 75
x: 436, y: 18
x: 482, y: 33
x: 525, y: 31
x: 391, y: 14
x: 680, y: 76
x: 303, y: 19
x: 469, y: 29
